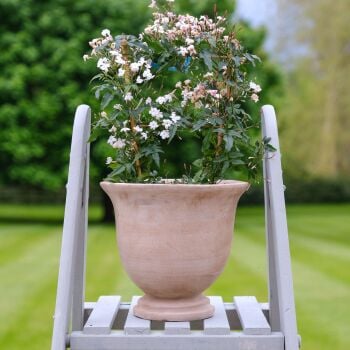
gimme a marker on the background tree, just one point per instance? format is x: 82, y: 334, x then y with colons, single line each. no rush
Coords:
x: 317, y: 113
x: 43, y: 79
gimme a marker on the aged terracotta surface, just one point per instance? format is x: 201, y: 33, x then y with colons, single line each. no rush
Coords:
x: 174, y: 241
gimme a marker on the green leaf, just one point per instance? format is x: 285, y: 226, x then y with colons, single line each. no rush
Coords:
x: 106, y: 100
x: 198, y: 163
x: 206, y: 55
x: 120, y: 169
x: 96, y: 133
x: 155, y: 157
x: 228, y: 142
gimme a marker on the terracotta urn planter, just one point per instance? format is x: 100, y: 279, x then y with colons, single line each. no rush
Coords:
x: 174, y: 241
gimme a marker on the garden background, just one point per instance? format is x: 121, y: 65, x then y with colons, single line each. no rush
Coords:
x: 305, y: 48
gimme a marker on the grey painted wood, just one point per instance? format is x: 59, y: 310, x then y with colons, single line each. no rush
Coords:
x: 271, y: 259
x: 89, y: 305
x: 159, y: 341
x: 80, y: 245
x: 102, y: 316
x: 135, y: 325
x: 281, y: 280
x: 72, y: 222
x: 251, y: 316
x: 218, y: 324
x: 177, y: 328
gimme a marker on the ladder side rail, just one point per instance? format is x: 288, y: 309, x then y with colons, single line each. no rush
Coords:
x: 81, y: 240
x: 274, y: 316
x: 281, y: 271
x: 71, y: 224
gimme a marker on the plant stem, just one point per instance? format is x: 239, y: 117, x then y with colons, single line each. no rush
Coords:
x: 219, y: 141
x: 128, y: 80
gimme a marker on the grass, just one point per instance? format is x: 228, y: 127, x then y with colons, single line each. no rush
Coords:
x: 320, y: 244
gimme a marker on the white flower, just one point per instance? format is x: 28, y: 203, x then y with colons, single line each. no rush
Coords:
x: 187, y: 82
x: 138, y: 128
x: 103, y: 114
x: 144, y: 135
x: 153, y: 4
x: 164, y: 134
x: 170, y: 0
x: 191, y: 50
x: 168, y: 97
x: 113, y: 129
x: 109, y: 160
x: 148, y: 101
x: 103, y: 64
x: 226, y: 38
x: 121, y: 72
x: 255, y: 87
x: 128, y: 97
x: 105, y: 40
x: 139, y: 80
x: 208, y: 75
x: 134, y: 67
x: 125, y: 129
x: 167, y: 123
x: 85, y: 58
x: 111, y: 140
x: 178, y: 85
x: 141, y: 61
x: 165, y: 20
x: 156, y: 113
x: 212, y: 92
x: 119, y: 59
x: 255, y: 98
x: 118, y: 107
x: 175, y: 118
x: 161, y: 100
x: 183, y: 51
x: 147, y: 74
x: 106, y: 32
x: 119, y: 143
x: 153, y: 125
x: 189, y: 41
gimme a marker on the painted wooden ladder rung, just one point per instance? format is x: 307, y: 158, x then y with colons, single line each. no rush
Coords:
x: 102, y: 316
x: 252, y: 319
x: 218, y: 324
x: 172, y: 328
x: 135, y: 325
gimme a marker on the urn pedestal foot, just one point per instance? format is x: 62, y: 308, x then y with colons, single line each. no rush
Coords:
x: 189, y: 309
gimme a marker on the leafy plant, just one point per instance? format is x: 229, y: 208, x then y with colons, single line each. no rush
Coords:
x: 210, y: 65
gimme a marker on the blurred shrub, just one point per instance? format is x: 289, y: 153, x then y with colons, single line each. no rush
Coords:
x: 309, y: 190
x: 43, y: 79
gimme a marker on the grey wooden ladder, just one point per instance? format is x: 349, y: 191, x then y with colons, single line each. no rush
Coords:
x: 241, y: 324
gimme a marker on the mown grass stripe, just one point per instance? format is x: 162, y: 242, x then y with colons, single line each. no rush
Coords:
x: 21, y: 279
x: 321, y: 297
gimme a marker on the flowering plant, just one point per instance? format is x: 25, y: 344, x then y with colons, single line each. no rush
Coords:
x: 210, y: 65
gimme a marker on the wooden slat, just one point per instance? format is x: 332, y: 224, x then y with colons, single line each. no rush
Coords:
x: 218, y: 324
x: 102, y: 316
x: 177, y: 328
x: 157, y: 340
x: 251, y: 316
x: 135, y: 325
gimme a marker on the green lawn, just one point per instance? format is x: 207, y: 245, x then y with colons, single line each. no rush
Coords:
x: 320, y: 243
